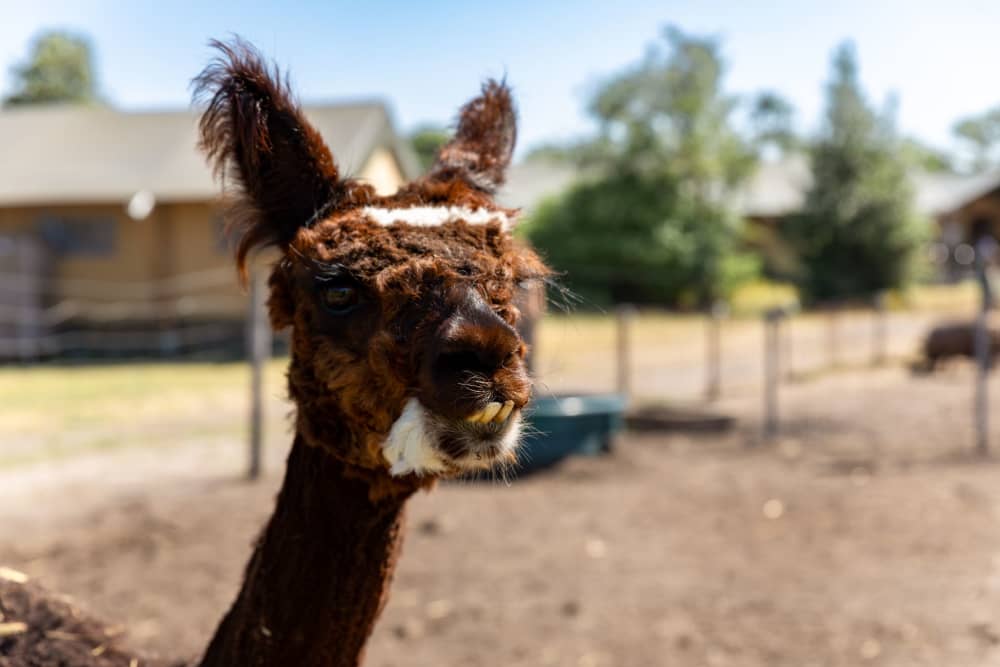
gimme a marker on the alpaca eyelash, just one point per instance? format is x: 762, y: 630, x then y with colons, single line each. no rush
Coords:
x: 328, y: 273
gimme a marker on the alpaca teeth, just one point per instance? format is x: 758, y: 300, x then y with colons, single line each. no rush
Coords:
x: 505, y: 411
x: 489, y: 412
x: 493, y: 412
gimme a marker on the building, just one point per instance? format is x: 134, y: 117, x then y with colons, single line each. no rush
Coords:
x: 110, y: 232
x: 963, y: 207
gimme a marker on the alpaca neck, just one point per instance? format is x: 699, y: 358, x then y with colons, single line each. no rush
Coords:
x: 319, y: 575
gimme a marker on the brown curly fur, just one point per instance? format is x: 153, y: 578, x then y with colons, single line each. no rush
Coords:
x: 434, y: 319
x: 350, y: 384
x: 255, y: 136
x: 351, y: 374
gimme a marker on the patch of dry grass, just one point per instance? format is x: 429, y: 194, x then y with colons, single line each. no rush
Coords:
x: 54, y: 411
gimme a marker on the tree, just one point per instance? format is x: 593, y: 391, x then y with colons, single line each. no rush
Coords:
x: 672, y: 105
x: 857, y: 232
x: 651, y: 224
x: 640, y: 239
x: 59, y: 68
x: 981, y: 136
x: 554, y: 152
x: 921, y: 156
x: 772, y: 123
x: 427, y: 140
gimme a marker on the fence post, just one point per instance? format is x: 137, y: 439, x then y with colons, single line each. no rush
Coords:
x: 624, y: 316
x: 530, y: 300
x: 713, y: 349
x: 772, y: 369
x: 879, y: 329
x: 984, y: 250
x: 259, y: 348
x: 788, y: 347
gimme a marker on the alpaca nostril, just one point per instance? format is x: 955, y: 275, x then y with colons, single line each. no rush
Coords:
x: 465, y: 361
x: 477, y: 357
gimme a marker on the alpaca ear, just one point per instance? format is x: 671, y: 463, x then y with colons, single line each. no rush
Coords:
x: 481, y: 150
x: 254, y: 133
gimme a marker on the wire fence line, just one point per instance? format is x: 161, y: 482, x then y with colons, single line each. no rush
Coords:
x: 691, y: 358
x: 198, y: 313
x: 123, y: 291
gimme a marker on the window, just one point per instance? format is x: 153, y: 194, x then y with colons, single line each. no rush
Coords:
x: 85, y: 237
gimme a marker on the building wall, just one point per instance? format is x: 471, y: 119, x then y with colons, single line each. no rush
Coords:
x: 383, y: 172
x: 175, y: 263
x: 127, y: 260
x: 985, y: 209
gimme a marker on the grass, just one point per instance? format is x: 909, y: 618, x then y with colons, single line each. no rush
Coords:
x: 56, y: 411
x: 962, y: 296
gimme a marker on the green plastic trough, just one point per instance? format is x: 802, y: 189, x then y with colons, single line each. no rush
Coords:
x: 560, y: 426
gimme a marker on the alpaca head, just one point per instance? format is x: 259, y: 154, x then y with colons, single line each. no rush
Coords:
x: 406, y: 362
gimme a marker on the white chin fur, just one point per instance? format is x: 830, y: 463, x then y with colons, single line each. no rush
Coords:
x: 409, y: 447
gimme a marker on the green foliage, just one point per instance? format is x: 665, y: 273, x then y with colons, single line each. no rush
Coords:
x: 59, y: 68
x: 671, y: 108
x: 650, y: 227
x: 641, y: 240
x: 981, y: 136
x: 772, y: 123
x: 554, y: 153
x: 920, y: 156
x: 857, y: 232
x: 779, y: 259
x: 427, y: 141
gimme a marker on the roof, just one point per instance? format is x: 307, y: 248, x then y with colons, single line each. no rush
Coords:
x: 778, y: 188
x: 530, y: 183
x: 72, y: 154
x: 774, y: 189
x: 940, y: 193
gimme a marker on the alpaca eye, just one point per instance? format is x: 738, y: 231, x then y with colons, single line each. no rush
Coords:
x: 339, y: 299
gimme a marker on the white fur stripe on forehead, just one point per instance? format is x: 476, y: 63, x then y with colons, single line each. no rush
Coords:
x: 432, y: 216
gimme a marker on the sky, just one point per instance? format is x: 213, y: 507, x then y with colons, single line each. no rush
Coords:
x: 426, y: 58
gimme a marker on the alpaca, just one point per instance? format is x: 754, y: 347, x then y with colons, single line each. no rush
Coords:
x: 955, y: 339
x: 406, y: 365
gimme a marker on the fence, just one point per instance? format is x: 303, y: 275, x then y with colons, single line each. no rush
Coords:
x: 684, y: 358
x: 198, y: 314
x: 662, y: 356
x: 646, y: 354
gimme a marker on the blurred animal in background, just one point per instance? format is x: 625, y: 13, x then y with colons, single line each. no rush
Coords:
x: 406, y: 362
x: 955, y: 339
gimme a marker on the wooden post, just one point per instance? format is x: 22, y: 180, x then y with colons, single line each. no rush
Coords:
x: 27, y: 293
x: 531, y: 301
x: 624, y: 316
x: 713, y: 350
x: 163, y: 269
x: 259, y: 349
x: 788, y: 347
x: 984, y: 250
x: 879, y: 329
x: 772, y: 369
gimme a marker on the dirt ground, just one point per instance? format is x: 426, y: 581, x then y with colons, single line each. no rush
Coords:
x: 865, y: 535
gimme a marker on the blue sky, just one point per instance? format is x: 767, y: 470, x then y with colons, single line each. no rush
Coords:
x: 426, y: 58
